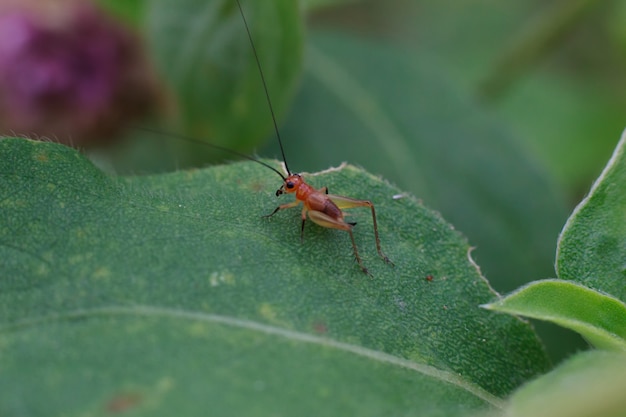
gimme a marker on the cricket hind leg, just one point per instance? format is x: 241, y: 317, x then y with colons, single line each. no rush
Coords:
x: 325, y: 220
x: 347, y: 202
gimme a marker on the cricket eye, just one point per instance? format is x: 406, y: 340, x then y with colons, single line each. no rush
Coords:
x: 290, y: 185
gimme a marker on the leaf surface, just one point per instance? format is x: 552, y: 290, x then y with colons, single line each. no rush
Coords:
x: 601, y: 319
x: 588, y: 384
x: 171, y: 292
x: 592, y: 245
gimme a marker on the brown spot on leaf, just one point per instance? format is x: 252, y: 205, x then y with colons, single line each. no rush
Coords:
x: 257, y: 186
x: 123, y: 402
x: 320, y: 327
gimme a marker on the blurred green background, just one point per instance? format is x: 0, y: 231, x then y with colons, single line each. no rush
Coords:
x: 499, y: 115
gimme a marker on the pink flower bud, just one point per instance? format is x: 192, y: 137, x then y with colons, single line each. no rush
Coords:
x: 70, y: 72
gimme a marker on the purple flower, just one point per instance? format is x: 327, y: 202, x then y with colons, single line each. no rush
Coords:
x: 70, y: 72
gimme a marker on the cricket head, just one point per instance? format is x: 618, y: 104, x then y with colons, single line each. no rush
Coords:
x: 290, y: 184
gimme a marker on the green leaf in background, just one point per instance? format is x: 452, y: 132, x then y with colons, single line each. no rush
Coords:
x: 171, y: 295
x: 601, y: 319
x: 202, y: 50
x: 563, y: 89
x: 313, y: 5
x: 590, y: 384
x: 396, y: 115
x: 560, y: 137
x: 129, y: 11
x: 592, y: 245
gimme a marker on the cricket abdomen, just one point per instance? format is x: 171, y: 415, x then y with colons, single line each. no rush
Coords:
x: 320, y: 202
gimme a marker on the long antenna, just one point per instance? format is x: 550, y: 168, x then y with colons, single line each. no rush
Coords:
x: 201, y: 142
x: 267, y: 94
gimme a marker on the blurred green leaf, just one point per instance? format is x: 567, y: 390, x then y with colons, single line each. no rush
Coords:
x: 574, y: 92
x: 561, y: 136
x: 615, y: 24
x: 170, y: 295
x: 590, y: 384
x: 601, y: 319
x: 393, y: 113
x: 202, y: 50
x: 534, y: 42
x: 592, y: 245
x: 313, y: 5
x: 129, y: 11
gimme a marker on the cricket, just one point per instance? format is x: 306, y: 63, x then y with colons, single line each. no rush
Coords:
x: 318, y: 205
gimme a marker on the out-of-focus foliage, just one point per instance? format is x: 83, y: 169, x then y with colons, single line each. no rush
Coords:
x: 556, y: 70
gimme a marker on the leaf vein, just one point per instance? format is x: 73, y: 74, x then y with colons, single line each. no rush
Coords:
x: 145, y: 310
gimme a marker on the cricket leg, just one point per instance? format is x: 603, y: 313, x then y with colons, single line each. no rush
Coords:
x: 347, y: 202
x: 304, y: 211
x: 325, y: 220
x: 283, y: 207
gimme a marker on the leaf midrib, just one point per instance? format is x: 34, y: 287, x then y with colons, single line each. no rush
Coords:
x: 152, y: 311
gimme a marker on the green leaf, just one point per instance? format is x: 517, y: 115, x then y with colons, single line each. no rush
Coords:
x: 400, y: 116
x: 567, y: 109
x: 130, y: 12
x: 601, y: 319
x: 589, y: 384
x: 203, y: 51
x: 592, y: 245
x: 578, y: 111
x: 314, y: 5
x: 171, y: 295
